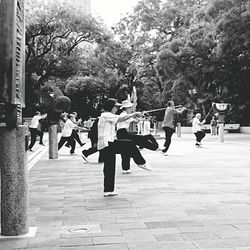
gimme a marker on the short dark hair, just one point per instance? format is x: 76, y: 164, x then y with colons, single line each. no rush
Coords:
x: 109, y: 104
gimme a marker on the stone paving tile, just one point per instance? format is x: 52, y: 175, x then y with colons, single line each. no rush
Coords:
x: 193, y: 199
x: 97, y: 247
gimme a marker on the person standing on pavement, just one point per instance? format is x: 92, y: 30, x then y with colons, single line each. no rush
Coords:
x: 168, y: 123
x: 34, y: 129
x: 197, y: 129
x: 93, y: 136
x: 67, y: 133
x: 75, y: 136
x: 110, y: 147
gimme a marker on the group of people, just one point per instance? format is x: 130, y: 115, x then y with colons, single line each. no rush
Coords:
x: 110, y: 135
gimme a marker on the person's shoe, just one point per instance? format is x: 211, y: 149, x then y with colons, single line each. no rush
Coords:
x: 67, y: 145
x: 107, y: 194
x: 126, y: 171
x: 31, y: 150
x: 84, y: 156
x: 42, y: 144
x: 144, y: 166
x: 73, y: 153
x: 82, y: 144
x: 197, y: 145
x: 164, y: 150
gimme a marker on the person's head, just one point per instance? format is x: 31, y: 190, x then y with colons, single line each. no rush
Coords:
x: 74, y: 113
x: 111, y: 105
x: 170, y: 104
x: 71, y: 117
x: 198, y: 116
x: 38, y: 113
x: 127, y: 106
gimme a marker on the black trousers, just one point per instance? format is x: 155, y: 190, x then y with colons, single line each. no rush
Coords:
x: 168, y: 135
x: 93, y: 150
x: 143, y: 141
x: 199, y: 135
x: 33, y: 133
x: 128, y: 150
x: 75, y: 136
x: 70, y: 140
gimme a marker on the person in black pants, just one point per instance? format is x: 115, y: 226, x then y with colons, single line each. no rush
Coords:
x: 143, y: 141
x: 35, y: 130
x: 93, y: 136
x: 168, y: 123
x: 110, y: 147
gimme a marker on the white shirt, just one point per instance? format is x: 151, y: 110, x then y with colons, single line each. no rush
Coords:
x: 124, y: 124
x: 68, y: 128
x: 106, y: 129
x: 196, y: 126
x: 35, y: 121
x: 146, y: 127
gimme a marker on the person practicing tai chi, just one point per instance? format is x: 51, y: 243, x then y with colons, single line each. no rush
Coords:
x: 34, y: 129
x: 109, y: 147
x: 74, y: 134
x: 197, y: 129
x: 67, y: 133
x: 143, y: 141
x: 93, y: 136
x: 168, y: 123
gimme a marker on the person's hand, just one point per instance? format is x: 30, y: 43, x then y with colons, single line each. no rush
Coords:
x: 203, y: 121
x: 137, y: 114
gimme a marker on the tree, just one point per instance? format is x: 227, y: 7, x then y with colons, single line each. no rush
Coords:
x: 57, y: 36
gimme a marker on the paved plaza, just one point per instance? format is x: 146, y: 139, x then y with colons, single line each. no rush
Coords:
x: 195, y: 198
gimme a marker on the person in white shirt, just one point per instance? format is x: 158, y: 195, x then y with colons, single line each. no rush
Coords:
x: 34, y: 129
x: 67, y: 132
x: 143, y: 141
x: 197, y: 129
x: 110, y: 147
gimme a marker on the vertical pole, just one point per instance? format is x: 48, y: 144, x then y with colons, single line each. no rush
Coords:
x: 14, y: 181
x: 53, y: 147
x: 221, y: 131
x: 178, y: 128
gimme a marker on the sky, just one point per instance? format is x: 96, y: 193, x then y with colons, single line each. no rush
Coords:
x: 112, y: 10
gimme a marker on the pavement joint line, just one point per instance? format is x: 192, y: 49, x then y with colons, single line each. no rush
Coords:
x: 37, y: 156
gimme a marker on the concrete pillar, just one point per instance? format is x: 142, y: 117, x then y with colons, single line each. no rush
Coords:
x: 14, y: 181
x: 221, y: 132
x: 53, y: 145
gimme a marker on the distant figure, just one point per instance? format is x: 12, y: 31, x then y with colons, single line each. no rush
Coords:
x: 168, y: 123
x: 35, y: 129
x: 197, y: 129
x: 93, y: 136
x: 67, y: 133
x: 213, y: 125
x: 74, y: 134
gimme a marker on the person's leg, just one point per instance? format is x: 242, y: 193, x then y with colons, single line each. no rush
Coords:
x: 128, y: 149
x: 77, y: 138
x: 109, y: 168
x: 149, y: 142
x: 32, y: 137
x: 40, y: 133
x: 62, y: 141
x: 201, y: 135
x: 72, y: 143
x: 168, y: 134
